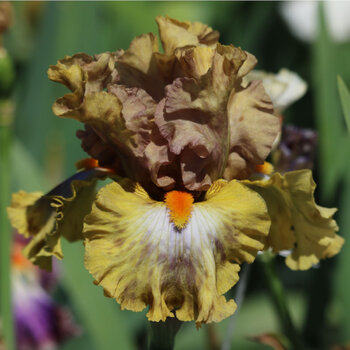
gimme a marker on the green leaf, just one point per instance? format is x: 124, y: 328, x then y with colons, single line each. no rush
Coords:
x: 102, y: 317
x: 66, y: 28
x: 25, y: 172
x: 329, y: 122
x: 345, y: 100
x: 343, y: 263
x: 5, y: 229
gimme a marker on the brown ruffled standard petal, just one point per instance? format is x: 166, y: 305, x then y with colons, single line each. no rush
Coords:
x: 124, y: 120
x: 297, y: 222
x: 200, y: 130
x: 284, y: 88
x: 83, y: 75
x: 106, y: 155
x: 172, y: 120
x: 193, y: 62
x: 121, y: 134
x: 174, y: 34
x: 120, y: 121
x: 138, y: 115
x: 138, y: 67
x: 162, y: 166
x: 253, y: 129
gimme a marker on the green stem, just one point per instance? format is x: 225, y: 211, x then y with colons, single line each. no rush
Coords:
x: 5, y: 229
x: 212, y: 336
x: 162, y: 334
x: 239, y: 297
x: 279, y: 300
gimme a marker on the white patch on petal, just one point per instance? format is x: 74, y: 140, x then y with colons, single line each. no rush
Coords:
x: 196, y: 239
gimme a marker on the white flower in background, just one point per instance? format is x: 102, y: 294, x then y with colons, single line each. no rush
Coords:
x: 302, y: 19
x: 284, y: 88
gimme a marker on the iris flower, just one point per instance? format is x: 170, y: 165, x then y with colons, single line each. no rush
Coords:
x: 181, y: 137
x: 40, y: 322
x: 296, y: 150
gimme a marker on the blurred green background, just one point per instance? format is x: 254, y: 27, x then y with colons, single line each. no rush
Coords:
x: 44, y: 149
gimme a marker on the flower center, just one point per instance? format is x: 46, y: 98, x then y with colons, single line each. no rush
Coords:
x: 87, y: 164
x: 180, y: 206
x: 266, y: 168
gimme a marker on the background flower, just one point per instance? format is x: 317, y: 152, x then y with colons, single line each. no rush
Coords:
x: 284, y: 88
x: 40, y: 322
x: 301, y: 17
x: 296, y: 150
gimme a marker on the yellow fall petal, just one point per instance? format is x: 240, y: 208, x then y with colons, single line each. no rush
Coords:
x: 297, y: 222
x: 72, y: 210
x: 22, y: 216
x: 43, y: 246
x: 140, y: 257
x: 32, y: 215
x: 46, y: 218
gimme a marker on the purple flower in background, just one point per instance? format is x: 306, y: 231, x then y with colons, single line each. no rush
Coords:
x: 40, y: 323
x: 296, y: 150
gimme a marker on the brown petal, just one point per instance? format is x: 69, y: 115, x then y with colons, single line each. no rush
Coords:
x: 193, y: 117
x: 123, y: 120
x: 92, y: 144
x: 161, y: 163
x: 137, y: 67
x: 194, y: 62
x: 174, y: 34
x: 194, y: 133
x: 83, y: 75
x: 253, y: 128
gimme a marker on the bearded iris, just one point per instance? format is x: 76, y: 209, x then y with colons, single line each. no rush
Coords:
x: 181, y: 134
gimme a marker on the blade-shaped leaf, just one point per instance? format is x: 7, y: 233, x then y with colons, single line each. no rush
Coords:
x: 345, y: 100
x: 101, y: 316
x: 5, y: 233
x: 327, y: 109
